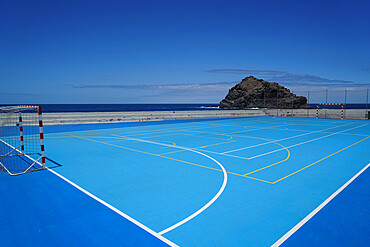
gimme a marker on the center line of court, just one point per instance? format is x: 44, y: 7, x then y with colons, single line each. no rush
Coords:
x: 207, y: 204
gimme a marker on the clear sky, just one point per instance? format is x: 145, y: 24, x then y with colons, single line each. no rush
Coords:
x: 177, y: 51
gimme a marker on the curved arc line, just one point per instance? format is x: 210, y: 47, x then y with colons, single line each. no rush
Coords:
x: 281, y: 161
x: 173, y: 143
x: 272, y: 141
x: 220, y: 191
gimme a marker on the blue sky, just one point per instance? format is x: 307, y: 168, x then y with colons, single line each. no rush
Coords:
x: 177, y: 51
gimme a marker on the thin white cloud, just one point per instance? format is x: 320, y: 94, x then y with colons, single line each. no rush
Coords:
x: 247, y: 71
x: 216, y: 91
x: 216, y: 86
x: 282, y: 76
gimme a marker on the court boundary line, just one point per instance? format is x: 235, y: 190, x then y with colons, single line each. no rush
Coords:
x: 316, y: 210
x: 132, y: 220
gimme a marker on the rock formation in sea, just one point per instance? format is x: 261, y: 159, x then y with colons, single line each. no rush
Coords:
x: 257, y: 93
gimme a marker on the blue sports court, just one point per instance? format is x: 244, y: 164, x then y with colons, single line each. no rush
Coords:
x: 256, y: 181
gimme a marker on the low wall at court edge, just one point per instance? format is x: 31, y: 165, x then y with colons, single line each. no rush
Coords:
x: 135, y: 116
x: 322, y: 113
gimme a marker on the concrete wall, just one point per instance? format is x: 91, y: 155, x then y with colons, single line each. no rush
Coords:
x: 323, y: 113
x: 104, y: 117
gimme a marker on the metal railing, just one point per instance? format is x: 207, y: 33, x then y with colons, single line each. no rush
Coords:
x: 356, y: 104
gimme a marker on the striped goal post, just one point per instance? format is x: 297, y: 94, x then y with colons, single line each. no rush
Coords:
x: 22, y: 146
x: 331, y: 104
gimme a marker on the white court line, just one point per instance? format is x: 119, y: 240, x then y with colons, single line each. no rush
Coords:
x: 207, y: 204
x: 326, y: 132
x: 202, y: 150
x: 229, y: 125
x: 245, y: 158
x: 252, y: 128
x: 107, y: 129
x: 115, y: 210
x: 163, y: 131
x: 298, y: 144
x: 316, y: 210
x: 272, y: 127
x: 287, y: 138
x: 228, y: 155
x: 198, y: 126
x: 247, y: 130
x: 244, y: 130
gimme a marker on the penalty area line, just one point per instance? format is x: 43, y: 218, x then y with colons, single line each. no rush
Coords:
x: 316, y: 210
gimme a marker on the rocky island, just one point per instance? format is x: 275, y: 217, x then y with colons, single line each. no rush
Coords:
x: 252, y: 92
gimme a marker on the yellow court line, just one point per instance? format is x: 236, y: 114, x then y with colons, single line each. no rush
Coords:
x: 164, y: 131
x: 319, y: 160
x: 212, y: 133
x: 120, y: 140
x: 173, y: 143
x: 281, y: 161
x: 310, y: 124
x: 220, y: 134
x: 158, y: 155
x: 159, y: 135
x: 230, y: 137
x: 143, y: 137
x: 215, y: 138
x: 272, y: 141
x: 182, y: 150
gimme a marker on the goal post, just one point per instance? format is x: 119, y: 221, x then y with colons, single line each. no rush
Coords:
x: 21, y: 139
x: 330, y: 113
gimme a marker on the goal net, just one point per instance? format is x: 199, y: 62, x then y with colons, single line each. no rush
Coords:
x: 21, y: 139
x: 330, y: 110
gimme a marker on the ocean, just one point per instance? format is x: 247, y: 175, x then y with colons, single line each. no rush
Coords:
x: 147, y: 107
x: 123, y: 107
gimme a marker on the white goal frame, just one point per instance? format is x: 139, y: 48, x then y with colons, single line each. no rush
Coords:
x: 16, y: 143
x: 338, y: 104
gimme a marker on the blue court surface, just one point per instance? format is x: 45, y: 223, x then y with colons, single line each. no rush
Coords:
x: 256, y: 181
